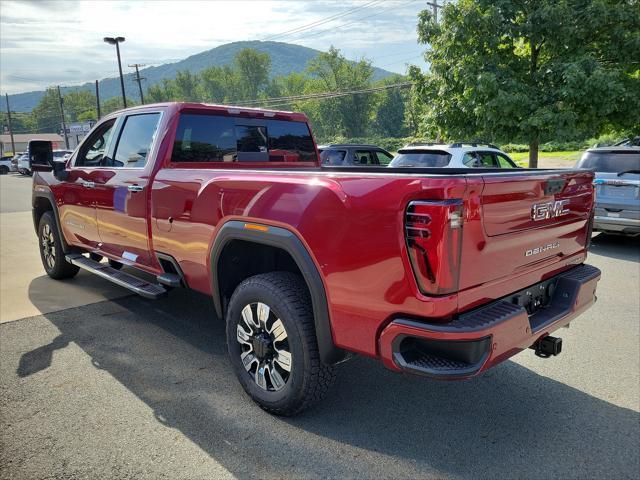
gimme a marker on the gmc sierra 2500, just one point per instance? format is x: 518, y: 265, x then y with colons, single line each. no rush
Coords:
x: 438, y: 272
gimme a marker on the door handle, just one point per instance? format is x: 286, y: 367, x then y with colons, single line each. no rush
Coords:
x: 88, y: 184
x: 135, y: 188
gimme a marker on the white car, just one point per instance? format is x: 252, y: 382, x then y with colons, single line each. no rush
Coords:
x: 24, y: 166
x: 453, y: 155
x: 5, y: 164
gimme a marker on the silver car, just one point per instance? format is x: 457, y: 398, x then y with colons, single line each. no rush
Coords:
x: 617, y: 187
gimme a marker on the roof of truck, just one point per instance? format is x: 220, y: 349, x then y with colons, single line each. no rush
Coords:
x: 226, y: 109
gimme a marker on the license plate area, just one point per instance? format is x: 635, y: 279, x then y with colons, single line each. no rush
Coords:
x: 536, y: 297
x: 618, y: 191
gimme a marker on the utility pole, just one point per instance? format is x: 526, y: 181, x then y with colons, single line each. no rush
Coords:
x: 98, y: 100
x: 436, y: 8
x: 64, y: 125
x: 139, y: 79
x: 13, y: 145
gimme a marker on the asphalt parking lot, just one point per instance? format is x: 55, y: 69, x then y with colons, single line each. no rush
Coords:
x: 96, y: 383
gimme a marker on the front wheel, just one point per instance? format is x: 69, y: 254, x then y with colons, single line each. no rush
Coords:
x: 51, y: 252
x: 272, y: 343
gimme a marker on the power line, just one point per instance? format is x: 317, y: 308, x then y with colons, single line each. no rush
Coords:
x: 320, y: 22
x: 359, y: 20
x: 319, y: 96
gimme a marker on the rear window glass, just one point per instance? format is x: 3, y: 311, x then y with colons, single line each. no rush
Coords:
x: 426, y: 159
x: 610, y: 161
x: 332, y: 157
x: 214, y: 138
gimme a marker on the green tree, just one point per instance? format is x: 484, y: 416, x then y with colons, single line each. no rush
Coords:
x: 115, y: 103
x: 351, y: 114
x: 161, y: 92
x: 80, y: 106
x: 390, y: 110
x: 186, y: 86
x: 20, y: 121
x: 219, y: 84
x: 46, y: 115
x: 531, y: 71
x: 252, y: 70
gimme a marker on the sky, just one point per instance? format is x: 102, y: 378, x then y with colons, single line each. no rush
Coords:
x: 51, y: 42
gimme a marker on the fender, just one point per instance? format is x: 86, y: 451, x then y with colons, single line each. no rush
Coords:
x: 54, y: 208
x: 288, y: 241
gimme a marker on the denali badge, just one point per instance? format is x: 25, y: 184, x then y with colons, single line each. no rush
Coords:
x: 542, y: 211
x: 543, y: 248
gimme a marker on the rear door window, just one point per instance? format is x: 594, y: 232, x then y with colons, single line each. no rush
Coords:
x: 504, y: 161
x: 364, y: 157
x: 487, y: 160
x: 383, y: 157
x: 471, y: 160
x: 216, y: 138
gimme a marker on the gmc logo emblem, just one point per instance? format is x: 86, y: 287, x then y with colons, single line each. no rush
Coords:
x: 542, y: 211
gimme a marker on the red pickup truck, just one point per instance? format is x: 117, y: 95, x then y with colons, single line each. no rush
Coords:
x: 438, y: 272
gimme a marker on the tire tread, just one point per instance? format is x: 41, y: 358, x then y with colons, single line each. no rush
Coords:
x: 292, y: 290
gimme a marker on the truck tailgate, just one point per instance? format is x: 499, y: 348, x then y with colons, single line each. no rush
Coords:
x: 517, y: 223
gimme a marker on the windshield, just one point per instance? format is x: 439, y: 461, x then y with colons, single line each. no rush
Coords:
x: 418, y: 158
x: 610, y: 161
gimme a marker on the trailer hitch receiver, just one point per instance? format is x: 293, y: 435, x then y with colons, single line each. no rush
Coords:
x: 547, y: 346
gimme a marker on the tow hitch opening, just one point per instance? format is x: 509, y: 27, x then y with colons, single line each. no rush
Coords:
x: 547, y: 346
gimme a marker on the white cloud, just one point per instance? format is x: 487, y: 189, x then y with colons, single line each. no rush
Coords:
x: 44, y: 43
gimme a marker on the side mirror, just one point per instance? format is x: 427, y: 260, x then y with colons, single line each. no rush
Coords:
x: 41, y: 155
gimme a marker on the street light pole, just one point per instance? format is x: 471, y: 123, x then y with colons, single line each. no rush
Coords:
x: 116, y: 41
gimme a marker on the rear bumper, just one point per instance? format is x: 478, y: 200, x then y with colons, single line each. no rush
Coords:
x: 486, y: 336
x: 611, y: 224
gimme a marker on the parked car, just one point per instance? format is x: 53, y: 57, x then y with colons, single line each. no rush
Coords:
x: 629, y: 142
x: 617, y: 188
x: 23, y: 164
x: 61, y: 155
x: 14, y: 161
x: 454, y: 155
x: 353, y: 155
x: 432, y: 274
x: 5, y: 164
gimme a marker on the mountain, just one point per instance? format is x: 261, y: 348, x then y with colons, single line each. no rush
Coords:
x: 285, y: 58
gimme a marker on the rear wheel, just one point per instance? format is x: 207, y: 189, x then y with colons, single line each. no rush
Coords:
x: 272, y: 343
x: 4, y: 169
x: 51, y: 252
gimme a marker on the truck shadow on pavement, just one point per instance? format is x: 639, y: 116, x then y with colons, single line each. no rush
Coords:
x: 510, y: 422
x: 616, y: 246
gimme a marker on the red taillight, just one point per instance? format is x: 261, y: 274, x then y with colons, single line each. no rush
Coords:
x: 433, y: 230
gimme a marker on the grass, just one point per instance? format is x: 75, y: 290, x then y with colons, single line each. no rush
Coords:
x: 548, y: 159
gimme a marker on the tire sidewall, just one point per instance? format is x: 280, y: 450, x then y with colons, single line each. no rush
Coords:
x: 61, y: 268
x: 253, y: 291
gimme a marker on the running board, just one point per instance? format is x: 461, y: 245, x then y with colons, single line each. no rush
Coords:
x: 130, y: 282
